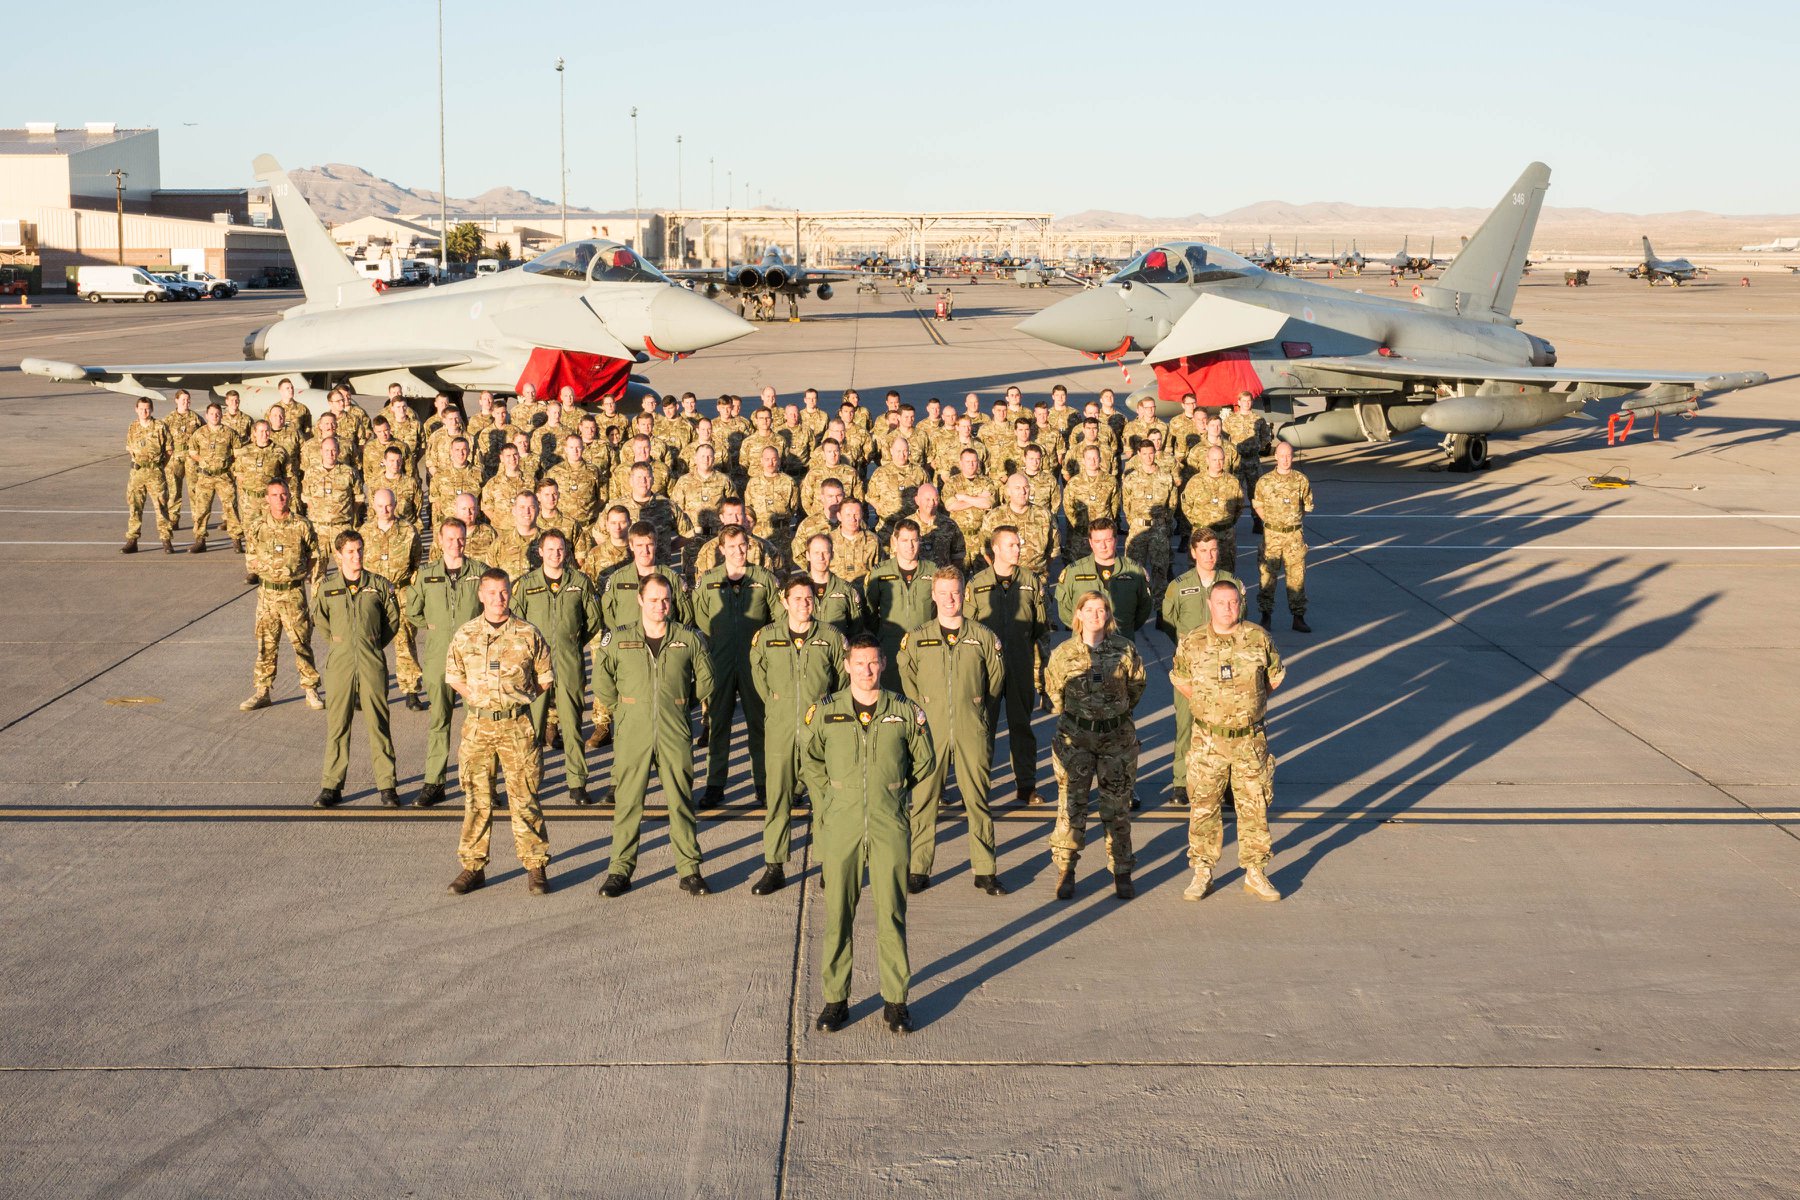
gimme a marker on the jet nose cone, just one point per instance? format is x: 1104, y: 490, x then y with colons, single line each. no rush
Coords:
x: 682, y: 322
x: 1093, y: 322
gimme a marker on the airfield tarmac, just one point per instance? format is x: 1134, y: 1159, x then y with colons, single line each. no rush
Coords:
x: 1538, y: 820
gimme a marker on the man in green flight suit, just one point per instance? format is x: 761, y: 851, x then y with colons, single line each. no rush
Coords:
x: 795, y: 661
x: 864, y: 750
x: 445, y: 596
x: 1105, y: 569
x: 561, y: 602
x: 643, y: 673
x: 731, y: 602
x: 357, y: 613
x: 898, y: 594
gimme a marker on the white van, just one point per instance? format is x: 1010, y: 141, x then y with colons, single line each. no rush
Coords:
x: 95, y: 284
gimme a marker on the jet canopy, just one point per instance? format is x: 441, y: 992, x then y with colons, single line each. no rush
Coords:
x: 1185, y: 262
x: 595, y: 260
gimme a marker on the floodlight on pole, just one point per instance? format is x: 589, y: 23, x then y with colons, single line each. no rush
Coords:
x: 562, y: 145
x: 637, y: 229
x: 443, y: 194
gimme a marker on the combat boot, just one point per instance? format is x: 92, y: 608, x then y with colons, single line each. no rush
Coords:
x: 329, y: 798
x: 389, y: 798
x: 198, y: 546
x: 774, y: 878
x: 414, y: 703
x: 430, y: 794
x: 259, y: 700
x: 593, y: 741
x: 1027, y: 794
x: 898, y: 1018
x: 990, y: 884
x: 578, y: 794
x: 537, y: 881
x: 312, y: 699
x: 1300, y: 625
x: 715, y: 795
x: 1258, y: 885
x: 237, y: 543
x: 1267, y: 620
x: 168, y: 544
x: 1123, y: 888
x: 694, y: 885
x: 1065, y: 886
x: 614, y: 886
x: 130, y: 546
x: 1179, y: 798
x: 1201, y: 887
x: 467, y: 882
x: 833, y: 1016
x: 916, y: 883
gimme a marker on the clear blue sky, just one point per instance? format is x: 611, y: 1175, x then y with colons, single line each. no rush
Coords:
x: 1160, y: 109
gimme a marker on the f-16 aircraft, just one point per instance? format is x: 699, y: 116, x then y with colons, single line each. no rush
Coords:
x: 1676, y: 270
x: 580, y: 315
x: 755, y: 286
x: 1454, y: 362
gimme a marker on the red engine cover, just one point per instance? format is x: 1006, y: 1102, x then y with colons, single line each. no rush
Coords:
x: 591, y: 375
x: 1213, y: 379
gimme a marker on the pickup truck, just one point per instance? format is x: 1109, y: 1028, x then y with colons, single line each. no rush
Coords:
x: 218, y: 289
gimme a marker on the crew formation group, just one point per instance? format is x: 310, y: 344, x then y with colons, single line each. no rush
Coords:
x: 872, y: 589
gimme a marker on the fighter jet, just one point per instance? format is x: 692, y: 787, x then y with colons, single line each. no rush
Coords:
x: 1676, y: 270
x: 1351, y: 261
x: 756, y: 285
x: 1454, y: 362
x: 1404, y: 262
x: 1035, y: 272
x: 581, y: 315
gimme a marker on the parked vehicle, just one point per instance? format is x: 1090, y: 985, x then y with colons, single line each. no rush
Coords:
x: 95, y: 284
x: 179, y: 288
x: 210, y: 284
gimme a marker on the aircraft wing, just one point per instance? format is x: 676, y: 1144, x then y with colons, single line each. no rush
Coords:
x: 718, y: 275
x: 1452, y: 368
x: 134, y: 380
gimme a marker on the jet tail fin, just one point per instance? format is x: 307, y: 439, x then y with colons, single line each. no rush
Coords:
x: 1649, y: 254
x: 1485, y: 275
x: 326, y: 275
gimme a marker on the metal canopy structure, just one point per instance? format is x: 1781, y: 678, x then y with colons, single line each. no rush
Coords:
x: 718, y: 236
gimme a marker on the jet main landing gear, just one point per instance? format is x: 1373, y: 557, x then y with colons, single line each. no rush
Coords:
x: 1467, y: 451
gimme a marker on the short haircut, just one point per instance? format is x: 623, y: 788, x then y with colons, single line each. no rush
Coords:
x: 654, y: 581
x: 862, y: 641
x: 643, y: 529
x: 733, y: 533
x: 344, y: 538
x: 798, y: 579
x: 907, y: 523
x: 495, y: 575
x: 456, y: 523
x: 952, y: 574
x: 1000, y: 529
x: 1200, y: 535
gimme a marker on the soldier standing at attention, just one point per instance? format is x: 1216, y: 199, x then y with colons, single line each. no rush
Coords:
x: 1249, y: 434
x: 732, y: 602
x: 795, y: 661
x: 772, y: 499
x: 181, y: 425
x: 256, y: 465
x: 618, y: 595
x: 444, y: 597
x: 514, y: 549
x: 1227, y: 669
x: 951, y: 667
x: 1212, y: 500
x: 332, y: 492
x: 355, y: 610
x: 235, y: 418
x: 1035, y: 527
x: 854, y: 550
x: 577, y: 483
x: 210, y: 452
x: 864, y: 750
x: 1282, y: 499
x: 1123, y: 581
x: 148, y: 445
x: 1010, y: 600
x: 1186, y: 607
x: 1150, y: 498
x: 1094, y: 679
x: 898, y: 592
x: 560, y: 603
x: 391, y: 550
x: 280, y: 556
x: 644, y: 672
x: 1092, y: 497
x: 893, y: 483
x: 836, y: 601
x: 499, y: 664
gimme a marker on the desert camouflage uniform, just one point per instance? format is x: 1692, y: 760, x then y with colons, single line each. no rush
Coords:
x: 447, y: 484
x: 239, y: 423
x: 597, y: 558
x: 818, y: 523
x: 696, y: 502
x: 578, y: 491
x: 843, y: 472
x: 1282, y: 500
x: 280, y: 554
x: 854, y: 560
x: 969, y: 519
x: 1230, y: 675
x: 477, y: 542
x: 762, y: 554
x: 256, y: 467
x: 892, y: 492
x: 773, y: 504
x: 750, y: 450
x: 1046, y: 491
x: 618, y: 486
x: 1185, y: 433
x: 1249, y: 434
x: 210, y: 454
x: 332, y: 497
x: 181, y: 427
x: 1186, y: 607
x: 941, y: 540
x: 497, y: 496
x: 374, y: 458
x: 148, y: 447
x: 1094, y: 689
x: 406, y: 497
x: 1138, y: 430
x: 1214, y: 502
x: 1039, y: 542
x: 1196, y: 457
x: 503, y: 671
x: 1090, y: 500
x: 512, y: 551
x: 288, y: 438
x: 1149, y: 499
x: 394, y: 555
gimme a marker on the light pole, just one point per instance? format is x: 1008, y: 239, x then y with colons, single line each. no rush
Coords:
x: 562, y: 145
x: 443, y: 196
x: 712, y: 185
x: 681, y: 233
x: 678, y: 172
x: 118, y: 175
x: 637, y: 228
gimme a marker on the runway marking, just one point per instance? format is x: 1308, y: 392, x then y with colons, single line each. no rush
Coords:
x: 1561, y: 516
x: 1553, y: 547
x: 1188, y: 1064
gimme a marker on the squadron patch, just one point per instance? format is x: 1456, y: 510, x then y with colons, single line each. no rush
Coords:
x: 810, y: 710
x: 919, y: 715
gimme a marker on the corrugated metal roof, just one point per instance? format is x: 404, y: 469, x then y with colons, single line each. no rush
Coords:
x: 62, y: 141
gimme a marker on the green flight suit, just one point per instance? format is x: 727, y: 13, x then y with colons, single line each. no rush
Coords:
x: 647, y: 696
x: 1185, y: 608
x: 567, y: 613
x: 839, y: 603
x: 729, y: 615
x: 860, y: 777
x: 896, y: 605
x: 437, y: 605
x: 1124, y: 579
x: 791, y: 672
x: 619, y: 596
x: 955, y: 676
x: 1018, y: 611
x: 358, y: 620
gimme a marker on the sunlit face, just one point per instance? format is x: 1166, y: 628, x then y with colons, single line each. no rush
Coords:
x: 616, y: 525
x: 643, y: 552
x: 495, y: 595
x: 459, y: 454
x: 1006, y: 550
x: 1018, y: 492
x: 525, y: 511
x: 1284, y: 456
x: 927, y: 500
x: 771, y: 460
x: 863, y: 665
x: 906, y: 546
x: 1104, y: 541
x: 349, y: 559
x: 1091, y: 616
x: 1225, y: 605
x: 464, y: 507
x: 736, y: 553
x: 947, y: 594
x: 1206, y: 557
x: 818, y: 556
x: 383, y: 504
x: 1215, y: 461
x: 798, y: 600
x: 900, y: 452
x: 554, y: 554
x: 850, y: 518
x: 654, y: 603
x: 452, y: 539
x: 276, y: 495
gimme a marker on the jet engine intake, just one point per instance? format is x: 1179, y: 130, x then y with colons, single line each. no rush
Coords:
x: 256, y: 344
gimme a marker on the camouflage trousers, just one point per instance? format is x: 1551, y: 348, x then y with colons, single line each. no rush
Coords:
x: 512, y: 746
x: 1288, y: 552
x: 146, y: 485
x: 252, y: 507
x: 1248, y: 769
x: 407, y: 674
x: 1081, y: 760
x: 279, y: 612
x: 175, y: 473
x: 323, y: 555
x: 1227, y: 535
x: 1148, y: 545
x: 201, y: 495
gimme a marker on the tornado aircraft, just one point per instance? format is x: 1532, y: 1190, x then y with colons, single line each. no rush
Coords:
x: 580, y: 315
x: 1452, y: 361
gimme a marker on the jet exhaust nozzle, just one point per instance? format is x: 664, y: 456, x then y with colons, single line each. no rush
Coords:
x: 775, y: 277
x: 749, y: 277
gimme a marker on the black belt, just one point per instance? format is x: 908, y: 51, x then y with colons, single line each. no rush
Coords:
x: 498, y: 714
x: 1281, y: 528
x: 219, y: 474
x: 1105, y: 725
x: 1223, y: 528
x: 272, y: 586
x: 1226, y: 731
